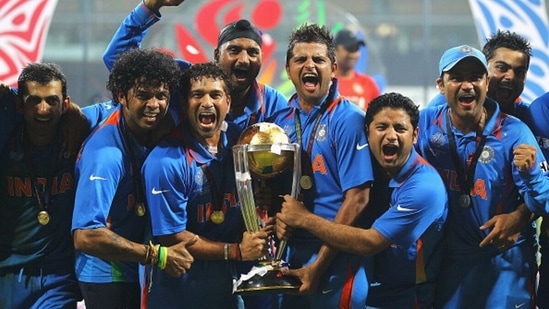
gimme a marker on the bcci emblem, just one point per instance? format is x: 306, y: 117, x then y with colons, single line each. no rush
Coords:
x: 466, y: 49
x: 437, y: 141
x: 321, y: 134
x: 486, y: 155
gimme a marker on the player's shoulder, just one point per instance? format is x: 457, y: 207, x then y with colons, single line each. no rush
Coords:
x: 348, y: 112
x: 273, y: 96
x: 431, y: 112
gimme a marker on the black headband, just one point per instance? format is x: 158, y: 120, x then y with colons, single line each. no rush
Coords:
x: 239, y: 29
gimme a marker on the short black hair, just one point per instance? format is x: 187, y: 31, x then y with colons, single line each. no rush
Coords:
x: 396, y: 101
x: 311, y: 33
x: 200, y: 70
x: 507, y: 39
x: 143, y: 67
x: 41, y: 73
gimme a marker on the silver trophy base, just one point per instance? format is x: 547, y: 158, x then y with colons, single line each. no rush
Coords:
x: 267, y: 279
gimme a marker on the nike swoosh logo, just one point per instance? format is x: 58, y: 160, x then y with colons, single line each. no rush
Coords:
x: 92, y: 178
x: 360, y: 147
x: 520, y: 305
x: 327, y: 291
x: 154, y: 191
x: 400, y: 208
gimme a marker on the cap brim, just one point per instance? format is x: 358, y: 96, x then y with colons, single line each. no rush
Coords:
x: 354, y: 46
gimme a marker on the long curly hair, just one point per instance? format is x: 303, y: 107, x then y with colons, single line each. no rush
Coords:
x: 143, y: 68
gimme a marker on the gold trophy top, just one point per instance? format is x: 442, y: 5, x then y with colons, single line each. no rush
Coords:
x: 265, y: 158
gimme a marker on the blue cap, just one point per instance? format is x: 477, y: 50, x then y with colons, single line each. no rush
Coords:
x: 455, y: 54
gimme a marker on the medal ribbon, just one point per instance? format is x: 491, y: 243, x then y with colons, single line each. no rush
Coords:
x: 259, y: 95
x: 136, y: 173
x: 43, y: 200
x: 216, y: 192
x: 330, y: 101
x: 465, y: 180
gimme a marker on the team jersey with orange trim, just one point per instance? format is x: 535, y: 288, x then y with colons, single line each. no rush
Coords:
x: 339, y: 161
x: 181, y: 191
x: 412, y: 218
x: 105, y: 197
x: 498, y: 187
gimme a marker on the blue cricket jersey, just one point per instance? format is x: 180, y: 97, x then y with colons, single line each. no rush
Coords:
x: 339, y: 161
x: 181, y: 192
x: 412, y: 218
x: 262, y: 101
x: 498, y: 186
x: 22, y: 239
x: 105, y: 197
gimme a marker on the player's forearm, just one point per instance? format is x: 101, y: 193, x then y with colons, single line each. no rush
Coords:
x: 203, y: 248
x: 130, y: 34
x: 335, y: 234
x: 105, y: 244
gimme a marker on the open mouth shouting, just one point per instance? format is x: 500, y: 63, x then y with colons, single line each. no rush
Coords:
x: 466, y: 99
x: 207, y: 120
x: 390, y: 152
x: 310, y: 81
x: 241, y: 75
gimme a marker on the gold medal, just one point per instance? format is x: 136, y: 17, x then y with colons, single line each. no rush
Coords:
x: 43, y: 217
x: 217, y: 217
x: 140, y: 209
x: 306, y: 182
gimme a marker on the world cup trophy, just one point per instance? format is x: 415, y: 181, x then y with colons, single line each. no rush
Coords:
x: 264, y: 156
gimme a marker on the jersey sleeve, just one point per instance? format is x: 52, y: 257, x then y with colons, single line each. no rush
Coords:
x: 415, y: 207
x: 97, y: 112
x: 165, y: 190
x: 98, y: 173
x: 274, y: 101
x: 130, y: 34
x: 538, y: 112
x: 351, y: 147
x: 533, y: 184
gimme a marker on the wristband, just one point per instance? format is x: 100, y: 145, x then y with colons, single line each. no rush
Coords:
x: 162, y: 257
x: 226, y: 251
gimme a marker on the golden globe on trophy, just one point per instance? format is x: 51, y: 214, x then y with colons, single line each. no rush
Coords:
x: 264, y: 157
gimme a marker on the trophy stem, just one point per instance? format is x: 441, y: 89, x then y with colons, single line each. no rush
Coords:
x: 265, y: 161
x: 280, y: 250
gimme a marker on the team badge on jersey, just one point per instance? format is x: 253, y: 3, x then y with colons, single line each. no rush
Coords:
x: 437, y: 141
x: 487, y: 154
x: 321, y: 133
